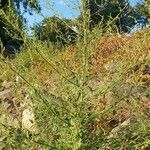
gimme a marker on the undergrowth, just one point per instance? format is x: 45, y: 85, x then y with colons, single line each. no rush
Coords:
x: 92, y: 95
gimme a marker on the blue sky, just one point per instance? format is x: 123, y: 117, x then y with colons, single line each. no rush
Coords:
x: 64, y: 8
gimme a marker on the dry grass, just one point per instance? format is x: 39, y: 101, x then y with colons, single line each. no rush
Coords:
x: 120, y: 62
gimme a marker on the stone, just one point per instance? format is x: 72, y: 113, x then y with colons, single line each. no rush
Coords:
x: 28, y: 120
x: 110, y: 66
x: 2, y: 145
x: 93, y: 83
x: 6, y: 84
x: 6, y: 94
x: 115, y: 131
x: 123, y: 127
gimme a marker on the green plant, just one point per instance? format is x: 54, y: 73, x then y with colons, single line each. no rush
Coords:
x: 92, y: 95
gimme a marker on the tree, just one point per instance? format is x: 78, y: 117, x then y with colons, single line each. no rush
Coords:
x: 107, y: 10
x: 12, y: 22
x: 55, y: 30
x: 143, y: 12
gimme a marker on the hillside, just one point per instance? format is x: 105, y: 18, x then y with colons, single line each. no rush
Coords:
x: 48, y: 101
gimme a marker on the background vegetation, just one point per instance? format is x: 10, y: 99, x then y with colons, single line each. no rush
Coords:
x: 75, y: 84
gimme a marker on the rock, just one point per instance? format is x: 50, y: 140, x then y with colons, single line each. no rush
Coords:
x: 53, y: 85
x: 114, y: 133
x: 2, y: 138
x: 110, y: 66
x: 93, y: 83
x: 2, y: 146
x: 18, y: 79
x: 6, y: 94
x: 123, y: 127
x: 28, y: 120
x: 6, y: 84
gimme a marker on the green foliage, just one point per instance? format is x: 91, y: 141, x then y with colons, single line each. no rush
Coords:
x: 54, y: 29
x: 70, y: 115
x: 94, y: 95
x: 12, y: 22
x: 32, y: 4
x: 143, y: 12
x: 119, y: 12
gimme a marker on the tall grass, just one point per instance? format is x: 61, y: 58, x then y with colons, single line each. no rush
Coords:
x: 70, y: 113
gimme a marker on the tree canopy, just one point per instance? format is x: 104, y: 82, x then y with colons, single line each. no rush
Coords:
x: 143, y: 11
x: 12, y: 21
x: 54, y: 29
x: 119, y: 12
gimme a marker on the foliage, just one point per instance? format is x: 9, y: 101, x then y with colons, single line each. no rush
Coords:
x: 69, y: 117
x: 143, y: 10
x: 54, y: 29
x: 93, y: 95
x: 12, y: 23
x: 119, y: 11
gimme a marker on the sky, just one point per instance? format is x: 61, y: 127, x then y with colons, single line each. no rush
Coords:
x: 63, y: 8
